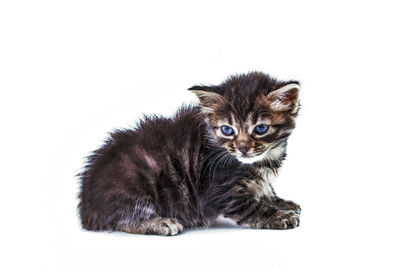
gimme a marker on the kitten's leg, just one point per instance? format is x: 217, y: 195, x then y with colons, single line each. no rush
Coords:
x: 262, y: 214
x: 281, y: 203
x: 286, y: 205
x: 250, y: 208
x: 156, y: 226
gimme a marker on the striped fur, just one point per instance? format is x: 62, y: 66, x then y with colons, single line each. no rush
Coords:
x: 171, y: 174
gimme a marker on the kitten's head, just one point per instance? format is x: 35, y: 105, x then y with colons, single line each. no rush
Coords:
x: 251, y: 115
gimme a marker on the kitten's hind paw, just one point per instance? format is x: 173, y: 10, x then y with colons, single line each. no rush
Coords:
x: 282, y: 219
x: 166, y: 226
x: 156, y: 226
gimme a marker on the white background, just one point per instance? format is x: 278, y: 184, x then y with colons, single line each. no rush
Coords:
x: 71, y: 71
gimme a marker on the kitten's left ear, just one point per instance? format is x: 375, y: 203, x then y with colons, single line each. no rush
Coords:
x: 209, y: 98
x: 285, y: 98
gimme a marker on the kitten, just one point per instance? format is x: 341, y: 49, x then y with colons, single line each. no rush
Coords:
x: 218, y: 158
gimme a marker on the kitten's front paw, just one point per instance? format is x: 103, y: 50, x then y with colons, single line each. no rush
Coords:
x: 293, y: 206
x: 288, y: 205
x: 283, y: 219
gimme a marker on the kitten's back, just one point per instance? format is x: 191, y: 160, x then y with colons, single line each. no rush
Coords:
x: 147, y: 172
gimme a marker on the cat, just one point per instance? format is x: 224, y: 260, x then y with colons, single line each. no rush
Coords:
x: 216, y: 158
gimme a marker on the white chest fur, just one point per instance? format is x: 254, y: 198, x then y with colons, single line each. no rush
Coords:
x: 262, y: 187
x: 268, y: 178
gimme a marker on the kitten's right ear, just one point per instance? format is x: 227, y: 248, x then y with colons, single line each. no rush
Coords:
x: 209, y: 99
x: 285, y: 98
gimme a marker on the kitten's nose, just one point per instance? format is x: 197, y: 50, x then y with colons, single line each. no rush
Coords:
x: 243, y: 149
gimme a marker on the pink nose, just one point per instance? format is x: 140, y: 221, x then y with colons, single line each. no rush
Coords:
x: 244, y: 149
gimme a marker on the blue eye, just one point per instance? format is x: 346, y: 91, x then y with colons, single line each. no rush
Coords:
x: 261, y: 129
x: 227, y: 130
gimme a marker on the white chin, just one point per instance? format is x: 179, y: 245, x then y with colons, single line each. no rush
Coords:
x: 270, y: 154
x: 251, y: 160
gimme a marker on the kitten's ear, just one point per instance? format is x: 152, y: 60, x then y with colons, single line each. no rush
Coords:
x: 209, y: 99
x: 285, y: 98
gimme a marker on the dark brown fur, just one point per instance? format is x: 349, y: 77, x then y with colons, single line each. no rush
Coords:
x: 169, y: 174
